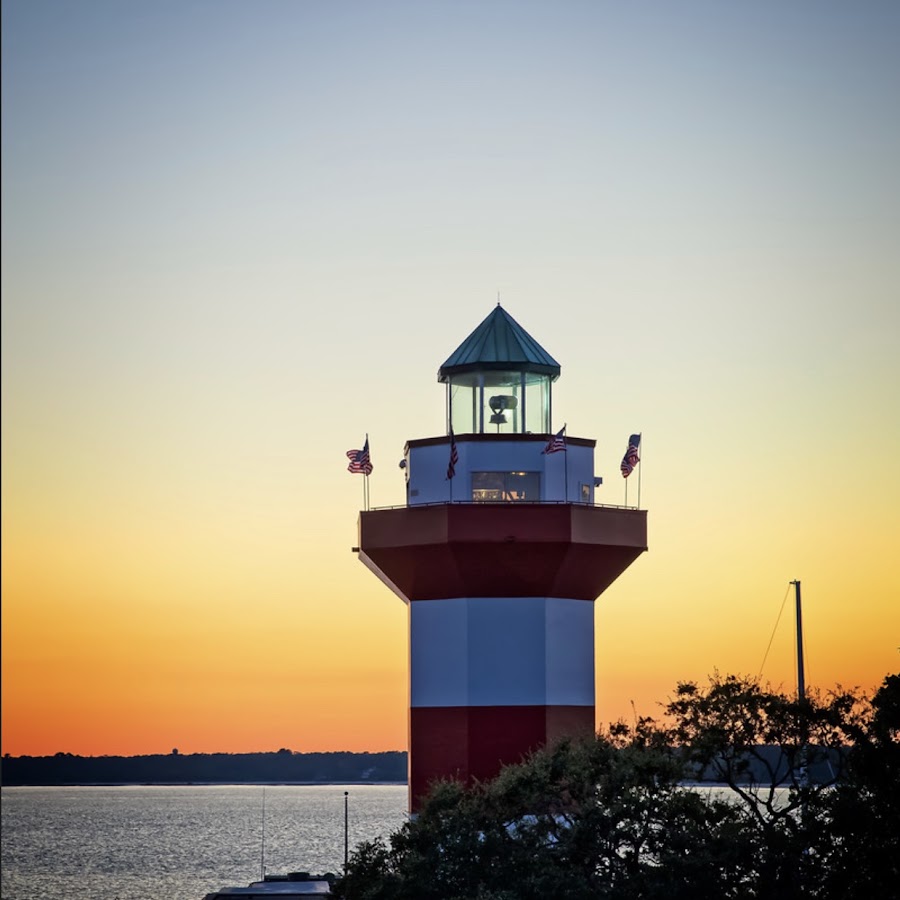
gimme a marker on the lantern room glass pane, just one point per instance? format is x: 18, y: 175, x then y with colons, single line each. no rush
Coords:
x: 462, y: 405
x: 499, y: 403
x: 537, y: 404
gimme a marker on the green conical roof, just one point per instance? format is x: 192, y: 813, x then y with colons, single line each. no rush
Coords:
x: 499, y: 343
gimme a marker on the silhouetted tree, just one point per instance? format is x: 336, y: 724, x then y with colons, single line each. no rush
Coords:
x: 859, y: 847
x: 612, y: 817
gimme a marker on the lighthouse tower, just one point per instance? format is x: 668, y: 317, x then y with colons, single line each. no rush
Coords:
x: 499, y: 554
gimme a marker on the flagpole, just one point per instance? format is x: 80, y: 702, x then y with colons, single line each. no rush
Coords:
x: 566, y: 448
x: 641, y: 445
x: 451, y: 462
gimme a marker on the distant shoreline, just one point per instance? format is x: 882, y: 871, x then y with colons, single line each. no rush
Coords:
x: 210, y: 769
x: 283, y: 767
x: 105, y: 784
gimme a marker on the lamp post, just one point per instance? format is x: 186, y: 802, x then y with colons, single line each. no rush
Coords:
x: 346, y: 830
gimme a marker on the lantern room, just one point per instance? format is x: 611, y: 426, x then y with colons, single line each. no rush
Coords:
x: 499, y: 380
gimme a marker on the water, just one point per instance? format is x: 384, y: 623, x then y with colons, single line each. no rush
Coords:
x: 179, y: 843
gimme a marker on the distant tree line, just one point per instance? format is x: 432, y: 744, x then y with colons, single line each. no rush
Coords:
x: 283, y: 766
x: 614, y: 817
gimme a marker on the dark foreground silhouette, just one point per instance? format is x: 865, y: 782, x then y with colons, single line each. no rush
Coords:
x: 613, y: 817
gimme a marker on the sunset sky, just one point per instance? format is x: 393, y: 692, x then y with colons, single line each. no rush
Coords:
x: 238, y: 237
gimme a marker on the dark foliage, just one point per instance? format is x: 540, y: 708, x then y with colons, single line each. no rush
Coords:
x: 614, y: 817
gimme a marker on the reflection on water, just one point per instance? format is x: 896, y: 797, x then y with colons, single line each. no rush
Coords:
x: 777, y: 796
x: 178, y: 843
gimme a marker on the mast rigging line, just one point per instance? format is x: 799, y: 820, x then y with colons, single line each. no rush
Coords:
x: 772, y: 638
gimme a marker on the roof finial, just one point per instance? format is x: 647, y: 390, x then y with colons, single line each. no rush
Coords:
x: 498, y: 298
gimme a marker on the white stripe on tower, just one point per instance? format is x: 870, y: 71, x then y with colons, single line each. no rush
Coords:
x: 501, y: 651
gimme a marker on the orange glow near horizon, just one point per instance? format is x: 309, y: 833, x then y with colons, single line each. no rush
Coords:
x: 86, y: 676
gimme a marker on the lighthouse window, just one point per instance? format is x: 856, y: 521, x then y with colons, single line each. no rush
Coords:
x: 505, y: 487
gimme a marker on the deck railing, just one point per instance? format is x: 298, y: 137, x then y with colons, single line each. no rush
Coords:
x: 505, y: 503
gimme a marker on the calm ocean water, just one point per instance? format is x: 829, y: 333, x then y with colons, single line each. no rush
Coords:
x: 179, y: 843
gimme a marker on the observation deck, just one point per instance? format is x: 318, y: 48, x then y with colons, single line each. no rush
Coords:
x: 503, y: 549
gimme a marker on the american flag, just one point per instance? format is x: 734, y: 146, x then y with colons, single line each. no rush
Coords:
x: 454, y: 456
x: 359, y: 460
x: 557, y: 442
x: 631, y: 458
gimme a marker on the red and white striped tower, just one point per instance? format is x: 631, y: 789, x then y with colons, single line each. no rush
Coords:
x: 499, y: 565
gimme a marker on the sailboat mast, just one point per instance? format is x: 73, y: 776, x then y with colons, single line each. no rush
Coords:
x: 801, y: 678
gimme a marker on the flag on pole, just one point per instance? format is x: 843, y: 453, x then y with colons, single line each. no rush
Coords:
x: 359, y: 460
x: 557, y: 442
x: 631, y: 458
x: 454, y: 456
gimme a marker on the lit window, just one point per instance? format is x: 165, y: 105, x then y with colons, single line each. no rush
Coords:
x: 506, y: 487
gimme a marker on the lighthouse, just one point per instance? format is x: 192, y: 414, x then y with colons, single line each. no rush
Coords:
x: 499, y: 553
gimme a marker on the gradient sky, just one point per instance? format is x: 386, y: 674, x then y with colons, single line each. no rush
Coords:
x: 237, y: 237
